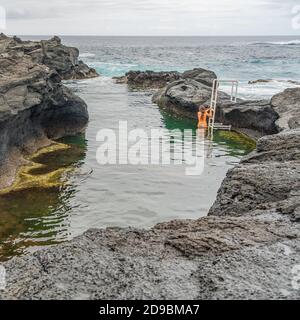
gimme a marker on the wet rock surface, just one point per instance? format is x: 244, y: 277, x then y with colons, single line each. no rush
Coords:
x: 34, y: 105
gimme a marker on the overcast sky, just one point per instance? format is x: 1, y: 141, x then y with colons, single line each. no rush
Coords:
x: 150, y: 17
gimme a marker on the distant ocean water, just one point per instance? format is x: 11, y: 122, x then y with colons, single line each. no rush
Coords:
x: 241, y: 58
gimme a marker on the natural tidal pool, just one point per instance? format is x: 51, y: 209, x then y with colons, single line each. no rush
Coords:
x: 64, y: 191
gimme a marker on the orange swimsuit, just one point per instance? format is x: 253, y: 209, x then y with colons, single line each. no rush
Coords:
x: 202, y: 118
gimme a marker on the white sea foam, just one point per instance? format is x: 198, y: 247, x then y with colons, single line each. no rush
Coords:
x: 87, y: 55
x: 111, y: 69
x: 114, y: 64
x: 280, y: 43
x: 261, y: 90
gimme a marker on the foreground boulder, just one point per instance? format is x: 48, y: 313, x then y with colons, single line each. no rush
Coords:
x: 246, y: 249
x: 34, y: 107
x: 210, y: 258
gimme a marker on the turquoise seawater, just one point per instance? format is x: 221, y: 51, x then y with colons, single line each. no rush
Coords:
x: 240, y: 58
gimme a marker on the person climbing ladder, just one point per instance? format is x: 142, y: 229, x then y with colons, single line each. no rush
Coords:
x: 203, y: 115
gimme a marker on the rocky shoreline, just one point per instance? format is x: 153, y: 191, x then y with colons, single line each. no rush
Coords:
x: 181, y: 94
x: 35, y: 107
x: 246, y: 248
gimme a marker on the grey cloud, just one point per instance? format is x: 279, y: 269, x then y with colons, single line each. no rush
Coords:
x: 28, y: 14
x: 86, y: 16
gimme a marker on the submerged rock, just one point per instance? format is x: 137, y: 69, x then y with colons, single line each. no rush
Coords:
x: 34, y: 105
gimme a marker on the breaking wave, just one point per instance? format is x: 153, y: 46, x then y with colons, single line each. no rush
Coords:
x: 279, y: 43
x: 87, y: 55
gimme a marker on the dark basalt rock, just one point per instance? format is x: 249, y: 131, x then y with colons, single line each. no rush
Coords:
x: 148, y: 79
x: 34, y: 105
x: 210, y: 258
x: 257, y: 118
x: 184, y: 97
x: 262, y: 81
x: 266, y: 181
x: 145, y: 80
x: 259, y: 81
x: 52, y: 53
x: 203, y: 76
x: 287, y: 105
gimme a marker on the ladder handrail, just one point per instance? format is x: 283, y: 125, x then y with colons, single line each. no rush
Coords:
x: 214, y: 98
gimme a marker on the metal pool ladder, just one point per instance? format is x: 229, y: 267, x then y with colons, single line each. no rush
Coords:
x: 212, y: 125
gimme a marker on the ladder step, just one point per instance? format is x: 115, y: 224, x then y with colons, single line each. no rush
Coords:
x: 222, y: 126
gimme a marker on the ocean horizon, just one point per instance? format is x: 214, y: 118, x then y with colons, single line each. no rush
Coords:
x: 244, y: 58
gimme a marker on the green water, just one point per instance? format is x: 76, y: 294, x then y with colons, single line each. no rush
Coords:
x: 67, y: 191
